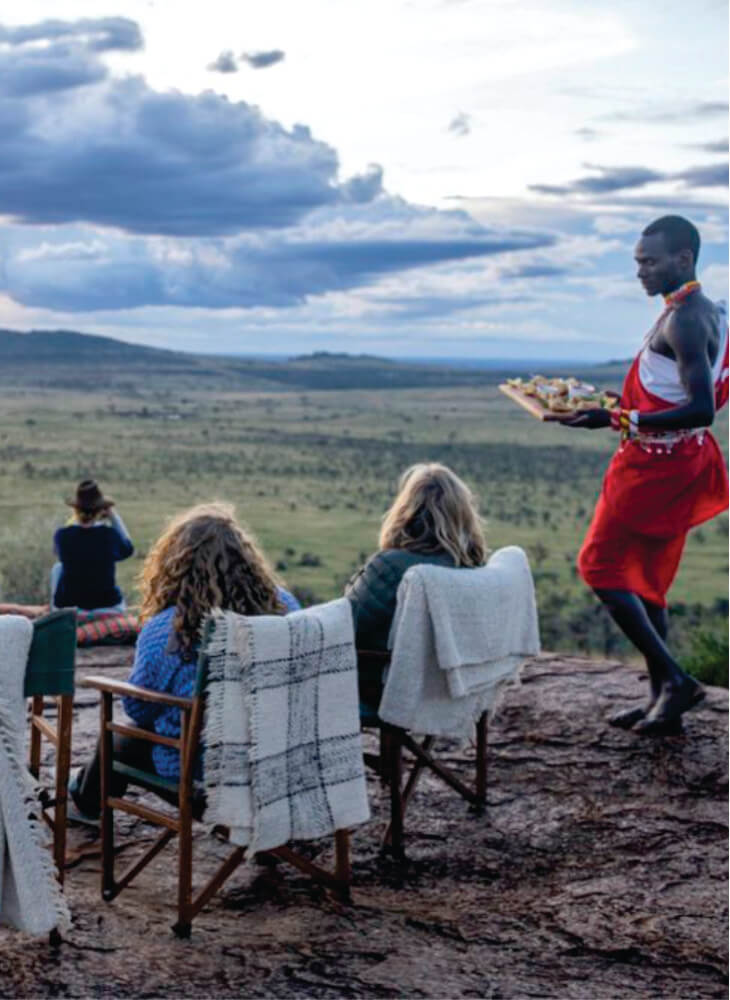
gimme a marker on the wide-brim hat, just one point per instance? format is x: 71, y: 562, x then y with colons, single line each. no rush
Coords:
x: 89, y: 497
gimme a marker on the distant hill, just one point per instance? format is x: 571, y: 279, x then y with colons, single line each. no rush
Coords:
x: 77, y: 360
x: 67, y: 346
x: 335, y: 356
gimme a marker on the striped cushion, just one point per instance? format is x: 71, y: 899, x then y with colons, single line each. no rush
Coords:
x: 107, y: 628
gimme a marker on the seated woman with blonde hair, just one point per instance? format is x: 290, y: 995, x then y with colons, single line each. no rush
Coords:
x: 204, y: 560
x: 433, y: 519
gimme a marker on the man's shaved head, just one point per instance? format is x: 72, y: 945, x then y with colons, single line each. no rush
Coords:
x: 679, y: 234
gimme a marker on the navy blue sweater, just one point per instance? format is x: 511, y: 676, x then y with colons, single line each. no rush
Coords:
x: 87, y: 558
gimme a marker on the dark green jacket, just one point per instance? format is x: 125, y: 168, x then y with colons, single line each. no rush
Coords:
x: 372, y: 592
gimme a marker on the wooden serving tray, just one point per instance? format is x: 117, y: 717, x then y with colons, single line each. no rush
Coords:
x: 531, y: 404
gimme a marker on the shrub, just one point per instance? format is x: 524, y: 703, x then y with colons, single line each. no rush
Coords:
x: 306, y: 596
x: 707, y: 659
x: 539, y: 552
x: 26, y: 557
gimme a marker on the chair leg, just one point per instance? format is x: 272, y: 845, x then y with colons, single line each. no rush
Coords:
x: 395, y: 771
x: 185, y: 874
x: 63, y: 767
x: 481, y: 764
x: 342, y: 861
x: 35, y: 738
x: 185, y: 833
x: 410, y: 786
x: 107, y: 813
x: 183, y: 928
x: 385, y: 747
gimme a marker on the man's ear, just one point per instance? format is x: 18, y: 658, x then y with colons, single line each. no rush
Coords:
x: 686, y: 259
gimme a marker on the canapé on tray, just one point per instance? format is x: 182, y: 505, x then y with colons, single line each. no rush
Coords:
x: 556, y: 398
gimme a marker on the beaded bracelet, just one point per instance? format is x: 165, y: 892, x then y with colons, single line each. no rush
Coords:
x: 626, y: 422
x: 620, y: 421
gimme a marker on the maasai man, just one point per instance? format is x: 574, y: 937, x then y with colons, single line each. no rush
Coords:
x: 668, y: 474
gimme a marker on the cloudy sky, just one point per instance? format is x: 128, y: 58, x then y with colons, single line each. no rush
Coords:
x: 453, y: 178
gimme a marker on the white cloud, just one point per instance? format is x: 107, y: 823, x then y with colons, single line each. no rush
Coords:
x: 715, y: 281
x: 614, y: 225
x: 206, y: 217
x: 78, y: 250
x: 336, y: 248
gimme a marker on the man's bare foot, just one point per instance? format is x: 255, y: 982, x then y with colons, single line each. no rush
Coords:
x: 670, y: 706
x: 673, y: 728
x: 628, y: 717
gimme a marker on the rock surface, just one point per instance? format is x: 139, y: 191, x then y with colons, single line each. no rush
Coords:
x: 599, y: 871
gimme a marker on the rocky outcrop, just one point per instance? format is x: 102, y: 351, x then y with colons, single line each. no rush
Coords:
x: 598, y: 871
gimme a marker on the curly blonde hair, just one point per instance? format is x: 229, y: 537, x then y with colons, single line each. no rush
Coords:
x: 204, y: 560
x: 435, y: 511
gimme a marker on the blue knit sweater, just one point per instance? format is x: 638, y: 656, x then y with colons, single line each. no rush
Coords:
x: 159, y: 668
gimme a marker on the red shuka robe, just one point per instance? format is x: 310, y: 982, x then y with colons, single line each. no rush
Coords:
x: 652, y: 494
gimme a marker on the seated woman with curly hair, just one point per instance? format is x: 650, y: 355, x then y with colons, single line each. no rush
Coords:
x: 433, y: 519
x: 204, y: 560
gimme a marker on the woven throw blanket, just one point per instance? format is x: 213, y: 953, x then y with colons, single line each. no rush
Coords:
x: 107, y: 628
x: 283, y: 758
x: 458, y: 636
x: 30, y: 897
x: 481, y: 617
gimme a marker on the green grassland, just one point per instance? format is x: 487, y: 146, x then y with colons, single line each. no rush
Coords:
x: 311, y: 472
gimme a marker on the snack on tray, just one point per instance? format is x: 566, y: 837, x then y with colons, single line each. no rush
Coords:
x: 564, y: 395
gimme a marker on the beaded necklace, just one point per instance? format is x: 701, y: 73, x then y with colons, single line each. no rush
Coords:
x: 677, y: 297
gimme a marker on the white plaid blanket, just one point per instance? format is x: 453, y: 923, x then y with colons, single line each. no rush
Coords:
x: 283, y: 757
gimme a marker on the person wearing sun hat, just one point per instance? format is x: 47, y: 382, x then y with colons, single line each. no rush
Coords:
x: 88, y: 549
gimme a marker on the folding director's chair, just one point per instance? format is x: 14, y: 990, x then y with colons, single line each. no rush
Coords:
x: 389, y: 763
x: 50, y: 673
x: 180, y: 794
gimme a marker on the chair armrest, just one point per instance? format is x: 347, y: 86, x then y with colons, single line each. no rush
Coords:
x: 375, y: 654
x: 132, y: 691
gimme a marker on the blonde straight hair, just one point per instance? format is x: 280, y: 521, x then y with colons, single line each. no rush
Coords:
x: 435, y: 511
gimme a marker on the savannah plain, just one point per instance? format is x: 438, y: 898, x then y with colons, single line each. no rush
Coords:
x: 311, y: 471
x: 599, y: 868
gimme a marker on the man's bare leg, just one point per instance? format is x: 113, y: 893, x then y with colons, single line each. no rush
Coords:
x: 672, y: 690
x: 630, y: 716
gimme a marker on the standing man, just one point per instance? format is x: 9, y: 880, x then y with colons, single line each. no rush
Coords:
x: 668, y: 473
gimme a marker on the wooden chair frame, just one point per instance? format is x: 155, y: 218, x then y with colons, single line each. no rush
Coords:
x: 42, y: 682
x: 180, y: 824
x: 60, y: 736
x: 388, y: 764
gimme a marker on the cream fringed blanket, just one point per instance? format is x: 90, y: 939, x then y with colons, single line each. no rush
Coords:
x: 283, y: 757
x: 30, y: 897
x: 459, y: 636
